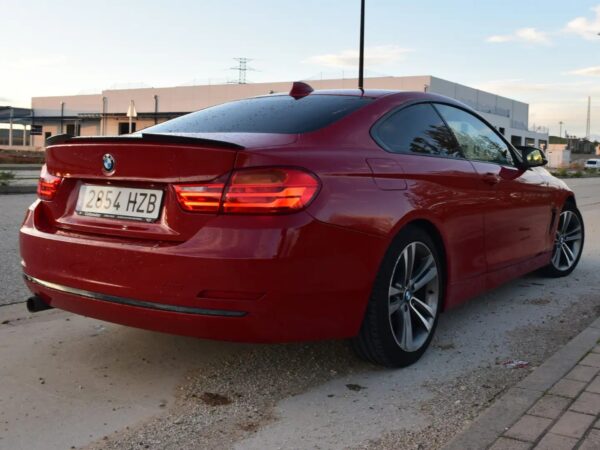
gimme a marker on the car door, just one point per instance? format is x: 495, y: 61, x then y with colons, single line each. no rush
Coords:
x: 518, y: 213
x: 426, y: 167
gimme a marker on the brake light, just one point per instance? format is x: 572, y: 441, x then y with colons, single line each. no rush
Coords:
x: 47, y: 184
x: 272, y: 190
x: 200, y: 198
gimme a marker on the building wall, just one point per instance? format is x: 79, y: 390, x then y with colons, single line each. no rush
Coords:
x: 558, y: 155
x: 507, y: 115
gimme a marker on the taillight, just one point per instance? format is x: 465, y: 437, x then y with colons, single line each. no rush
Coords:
x: 200, y: 198
x: 274, y: 190
x: 47, y: 185
x: 252, y: 191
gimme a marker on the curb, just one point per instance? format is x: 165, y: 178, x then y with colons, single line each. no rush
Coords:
x: 518, y: 400
x: 18, y: 189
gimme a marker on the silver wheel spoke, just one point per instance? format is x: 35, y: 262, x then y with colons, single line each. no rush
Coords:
x: 423, y: 320
x: 556, y: 257
x: 406, y: 340
x: 573, y: 237
x: 395, y: 305
x: 424, y: 305
x: 566, y: 221
x: 409, y: 262
x: 568, y: 254
x: 394, y: 290
x: 428, y: 273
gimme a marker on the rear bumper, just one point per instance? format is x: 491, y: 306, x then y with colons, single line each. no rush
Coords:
x: 247, y: 279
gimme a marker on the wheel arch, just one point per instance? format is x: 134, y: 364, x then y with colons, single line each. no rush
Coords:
x: 570, y: 198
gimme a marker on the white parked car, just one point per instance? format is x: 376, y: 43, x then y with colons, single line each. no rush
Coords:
x: 592, y: 164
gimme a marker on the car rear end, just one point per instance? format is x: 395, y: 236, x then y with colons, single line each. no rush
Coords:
x: 194, y: 236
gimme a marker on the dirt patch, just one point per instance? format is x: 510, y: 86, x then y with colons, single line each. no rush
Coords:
x: 234, y: 399
x: 355, y: 387
x: 212, y: 399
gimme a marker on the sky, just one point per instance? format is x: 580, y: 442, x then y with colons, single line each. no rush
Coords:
x: 543, y: 52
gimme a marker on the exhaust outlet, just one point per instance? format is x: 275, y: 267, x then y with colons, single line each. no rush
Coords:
x: 36, y: 304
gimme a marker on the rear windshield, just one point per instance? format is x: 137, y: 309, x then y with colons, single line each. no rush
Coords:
x: 274, y: 114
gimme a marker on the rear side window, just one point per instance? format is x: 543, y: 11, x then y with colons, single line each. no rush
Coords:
x: 273, y: 114
x: 416, y: 129
x: 477, y: 140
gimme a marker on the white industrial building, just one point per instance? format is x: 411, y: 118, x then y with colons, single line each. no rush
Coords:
x: 106, y: 113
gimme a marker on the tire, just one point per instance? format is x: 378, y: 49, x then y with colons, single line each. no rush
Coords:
x: 568, y: 243
x: 384, y: 338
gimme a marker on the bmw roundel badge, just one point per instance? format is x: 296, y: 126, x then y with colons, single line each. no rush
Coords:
x: 108, y: 162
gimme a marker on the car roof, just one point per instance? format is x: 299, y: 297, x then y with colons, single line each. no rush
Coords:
x: 379, y: 93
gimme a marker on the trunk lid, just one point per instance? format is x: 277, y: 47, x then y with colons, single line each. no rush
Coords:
x: 143, y: 162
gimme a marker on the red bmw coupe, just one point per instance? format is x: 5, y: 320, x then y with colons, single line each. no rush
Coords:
x: 301, y: 216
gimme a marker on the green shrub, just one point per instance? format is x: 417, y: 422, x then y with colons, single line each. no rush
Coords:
x: 562, y: 172
x: 5, y: 177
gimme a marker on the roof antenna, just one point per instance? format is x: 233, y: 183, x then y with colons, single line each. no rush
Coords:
x: 361, y: 54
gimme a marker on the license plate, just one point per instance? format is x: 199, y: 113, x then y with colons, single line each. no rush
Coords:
x: 119, y: 202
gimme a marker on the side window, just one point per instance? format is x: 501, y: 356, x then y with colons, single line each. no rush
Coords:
x: 417, y: 129
x: 477, y: 140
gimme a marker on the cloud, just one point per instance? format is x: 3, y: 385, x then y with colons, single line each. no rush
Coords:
x: 584, y: 27
x: 587, y: 71
x: 524, y: 35
x: 551, y: 102
x: 383, y: 54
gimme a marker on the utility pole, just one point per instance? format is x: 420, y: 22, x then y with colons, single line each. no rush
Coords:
x: 242, y: 68
x: 10, y: 129
x: 589, y: 110
x: 560, y: 132
x: 131, y: 113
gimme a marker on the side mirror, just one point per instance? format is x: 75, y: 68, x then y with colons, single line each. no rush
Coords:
x: 532, y: 157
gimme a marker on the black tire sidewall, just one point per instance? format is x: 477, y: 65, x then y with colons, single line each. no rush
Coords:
x: 378, y: 305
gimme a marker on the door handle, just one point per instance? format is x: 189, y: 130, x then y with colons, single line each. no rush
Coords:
x: 491, y: 178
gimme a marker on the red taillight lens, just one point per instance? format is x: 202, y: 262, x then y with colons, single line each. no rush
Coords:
x: 47, y: 185
x: 200, y: 198
x: 252, y: 191
x: 273, y: 190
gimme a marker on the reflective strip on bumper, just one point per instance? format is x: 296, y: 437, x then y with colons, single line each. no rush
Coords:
x: 132, y: 302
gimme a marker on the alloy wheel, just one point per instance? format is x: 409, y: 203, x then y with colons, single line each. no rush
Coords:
x: 413, y: 296
x: 567, y: 244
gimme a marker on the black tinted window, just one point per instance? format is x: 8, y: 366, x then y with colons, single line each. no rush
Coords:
x: 417, y: 129
x: 274, y: 114
x: 477, y: 140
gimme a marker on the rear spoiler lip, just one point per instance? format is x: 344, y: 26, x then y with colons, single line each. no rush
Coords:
x: 143, y: 137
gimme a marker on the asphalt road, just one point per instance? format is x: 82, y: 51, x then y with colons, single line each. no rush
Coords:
x: 84, y: 383
x: 12, y: 211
